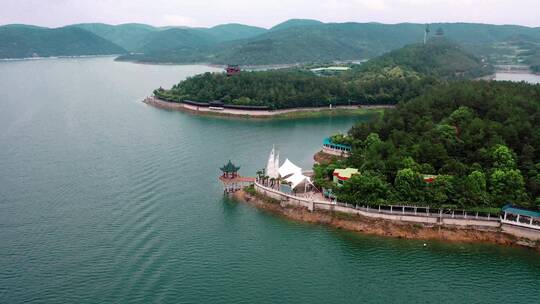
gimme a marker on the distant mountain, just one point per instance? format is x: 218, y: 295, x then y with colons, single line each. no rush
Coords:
x: 476, y: 33
x: 439, y: 57
x: 136, y: 37
x: 28, y: 26
x: 311, y: 41
x: 319, y: 43
x: 530, y: 53
x: 234, y: 31
x: 20, y: 41
x: 177, y: 39
x: 295, y: 23
x: 301, y: 41
x: 130, y: 36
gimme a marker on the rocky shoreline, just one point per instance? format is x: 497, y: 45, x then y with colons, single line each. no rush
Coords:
x: 361, y: 224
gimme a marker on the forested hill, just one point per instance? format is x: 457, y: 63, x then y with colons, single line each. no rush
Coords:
x: 389, y: 79
x: 131, y: 36
x: 479, y: 137
x: 20, y: 41
x: 439, y: 57
x: 307, y: 41
x: 141, y: 37
x: 163, y: 43
x: 293, y: 41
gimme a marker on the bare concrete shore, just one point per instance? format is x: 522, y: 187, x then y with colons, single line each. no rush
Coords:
x: 387, y: 228
x: 162, y: 104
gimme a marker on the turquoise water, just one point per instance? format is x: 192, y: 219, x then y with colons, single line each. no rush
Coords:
x: 106, y: 200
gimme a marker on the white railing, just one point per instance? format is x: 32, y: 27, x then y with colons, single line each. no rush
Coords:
x: 420, y: 211
x: 520, y: 224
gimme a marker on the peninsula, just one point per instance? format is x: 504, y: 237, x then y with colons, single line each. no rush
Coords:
x: 460, y: 162
x: 381, y: 82
x: 219, y: 109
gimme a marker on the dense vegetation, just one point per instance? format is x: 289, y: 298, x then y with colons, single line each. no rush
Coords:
x: 480, y: 138
x: 439, y: 58
x: 20, y: 41
x: 294, y: 88
x: 398, y: 76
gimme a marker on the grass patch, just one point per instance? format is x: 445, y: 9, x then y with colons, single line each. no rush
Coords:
x: 343, y: 215
x: 250, y: 190
x: 327, y: 112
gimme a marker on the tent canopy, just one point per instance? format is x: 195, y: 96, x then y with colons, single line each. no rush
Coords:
x: 297, y: 179
x: 288, y: 169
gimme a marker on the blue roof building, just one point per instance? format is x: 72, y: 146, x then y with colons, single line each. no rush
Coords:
x: 330, y: 147
x: 521, y: 217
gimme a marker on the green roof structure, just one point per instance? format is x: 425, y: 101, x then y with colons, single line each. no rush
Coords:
x: 516, y: 210
x: 229, y: 168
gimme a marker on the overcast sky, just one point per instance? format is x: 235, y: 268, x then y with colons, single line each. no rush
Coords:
x: 266, y: 13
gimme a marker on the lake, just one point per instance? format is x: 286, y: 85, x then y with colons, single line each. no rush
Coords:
x: 104, y: 199
x: 527, y: 77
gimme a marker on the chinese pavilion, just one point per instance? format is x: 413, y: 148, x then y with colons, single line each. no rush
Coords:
x: 229, y: 170
x: 231, y: 180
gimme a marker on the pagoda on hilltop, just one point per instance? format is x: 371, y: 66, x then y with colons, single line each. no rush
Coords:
x: 231, y: 180
x: 232, y: 70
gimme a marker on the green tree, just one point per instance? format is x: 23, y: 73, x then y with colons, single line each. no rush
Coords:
x: 372, y: 139
x: 408, y: 162
x: 503, y: 158
x: 461, y: 116
x: 439, y: 191
x: 408, y: 185
x: 475, y: 190
x: 508, y: 186
x: 365, y: 188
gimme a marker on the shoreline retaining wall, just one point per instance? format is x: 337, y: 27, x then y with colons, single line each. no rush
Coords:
x: 431, y: 219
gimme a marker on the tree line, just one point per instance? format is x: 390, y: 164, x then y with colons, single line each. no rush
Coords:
x: 294, y: 88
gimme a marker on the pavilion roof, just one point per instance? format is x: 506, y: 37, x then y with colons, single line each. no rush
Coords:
x: 516, y: 210
x: 229, y: 168
x: 328, y: 141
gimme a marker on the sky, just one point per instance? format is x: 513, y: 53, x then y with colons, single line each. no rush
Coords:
x: 266, y: 13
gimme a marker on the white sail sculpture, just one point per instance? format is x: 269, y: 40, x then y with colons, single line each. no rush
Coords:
x: 276, y: 164
x: 272, y: 164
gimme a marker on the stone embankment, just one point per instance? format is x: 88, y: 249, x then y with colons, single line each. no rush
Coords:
x: 398, y: 224
x: 162, y: 104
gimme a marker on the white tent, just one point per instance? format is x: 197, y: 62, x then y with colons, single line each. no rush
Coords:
x: 293, y: 174
x: 288, y: 168
x: 297, y: 179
